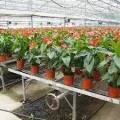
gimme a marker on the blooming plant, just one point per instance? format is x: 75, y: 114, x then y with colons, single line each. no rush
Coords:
x: 112, y: 64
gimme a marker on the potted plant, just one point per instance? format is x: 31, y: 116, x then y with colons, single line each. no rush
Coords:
x: 8, y: 37
x: 79, y: 60
x: 112, y: 76
x: 50, y: 57
x: 113, y: 70
x: 3, y: 56
x: 5, y: 45
x: 32, y: 57
x: 67, y: 59
x: 20, y: 46
x: 89, y: 55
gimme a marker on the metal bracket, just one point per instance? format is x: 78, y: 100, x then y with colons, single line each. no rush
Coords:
x: 54, y: 101
x: 2, y: 78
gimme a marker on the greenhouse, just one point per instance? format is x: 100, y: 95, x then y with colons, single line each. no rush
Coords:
x: 59, y: 59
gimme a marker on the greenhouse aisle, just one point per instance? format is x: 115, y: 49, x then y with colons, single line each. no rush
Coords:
x: 11, y: 97
x: 8, y: 116
x: 108, y: 112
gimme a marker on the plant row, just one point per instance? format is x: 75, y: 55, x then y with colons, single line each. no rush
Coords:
x: 93, y: 53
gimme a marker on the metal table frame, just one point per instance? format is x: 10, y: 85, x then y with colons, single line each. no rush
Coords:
x: 56, y: 84
x: 3, y: 65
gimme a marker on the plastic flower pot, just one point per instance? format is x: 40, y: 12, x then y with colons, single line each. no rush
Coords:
x: 68, y: 79
x: 20, y: 64
x: 87, y: 83
x: 3, y: 58
x: 50, y: 74
x: 113, y: 92
x: 78, y: 71
x: 96, y: 75
x: 35, y: 69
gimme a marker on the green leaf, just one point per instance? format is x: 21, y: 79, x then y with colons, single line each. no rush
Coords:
x: 100, y: 56
x: 30, y: 57
x: 58, y: 49
x: 38, y: 61
x: 104, y: 62
x: 39, y: 56
x: 118, y: 81
x: 105, y: 43
x: 81, y: 54
x: 66, y: 61
x: 117, y: 61
x: 114, y: 45
x: 16, y: 50
x: 91, y: 47
x: 54, y: 64
x: 69, y: 40
x: 118, y: 49
x: 87, y: 59
x: 51, y: 55
x: 89, y: 67
x: 43, y: 47
x: 113, y: 68
x: 104, y: 51
x: 106, y: 76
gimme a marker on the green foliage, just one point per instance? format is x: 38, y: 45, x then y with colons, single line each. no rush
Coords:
x: 20, y: 46
x: 6, y: 42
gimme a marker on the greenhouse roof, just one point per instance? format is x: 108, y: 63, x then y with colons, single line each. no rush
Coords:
x: 94, y: 9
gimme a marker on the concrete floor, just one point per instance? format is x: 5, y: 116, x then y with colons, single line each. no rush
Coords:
x: 10, y: 100
x: 109, y: 111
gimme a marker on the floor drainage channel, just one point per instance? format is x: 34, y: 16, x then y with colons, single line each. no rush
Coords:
x: 86, y: 107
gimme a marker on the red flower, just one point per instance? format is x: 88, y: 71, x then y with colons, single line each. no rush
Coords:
x: 65, y: 46
x: 45, y: 40
x: 31, y: 46
x: 76, y: 35
x: 116, y: 33
x: 60, y: 40
x: 94, y: 42
x: 48, y: 41
x: 91, y: 34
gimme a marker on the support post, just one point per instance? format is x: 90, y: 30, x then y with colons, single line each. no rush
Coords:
x: 31, y: 21
x: 64, y: 22
x: 74, y: 105
x: 2, y: 78
x: 23, y: 86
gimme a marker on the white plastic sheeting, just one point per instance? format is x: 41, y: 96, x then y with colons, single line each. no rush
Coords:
x: 77, y: 10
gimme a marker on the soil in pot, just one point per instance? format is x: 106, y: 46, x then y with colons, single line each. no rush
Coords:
x: 3, y: 58
x: 87, y: 83
x: 20, y: 64
x: 35, y: 69
x: 78, y: 71
x: 113, y: 92
x: 50, y: 74
x: 96, y: 75
x: 68, y: 79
